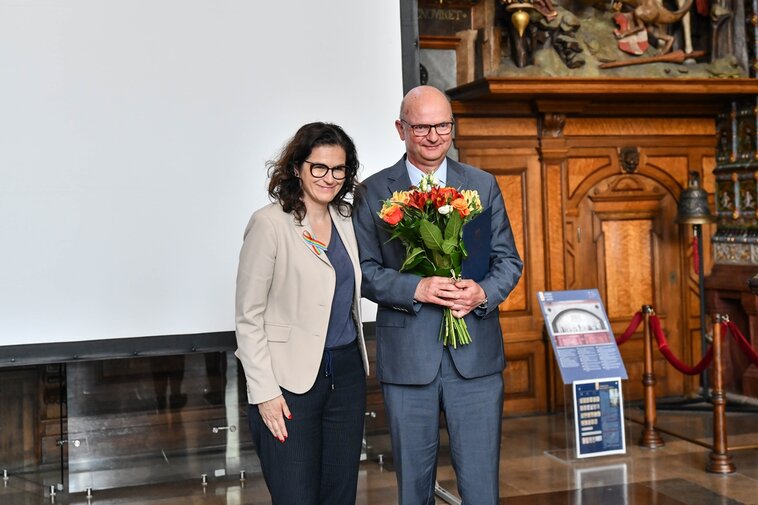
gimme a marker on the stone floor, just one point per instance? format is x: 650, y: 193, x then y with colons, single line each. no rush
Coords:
x: 537, y: 467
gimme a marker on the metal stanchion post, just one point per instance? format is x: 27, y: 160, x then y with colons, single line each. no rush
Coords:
x: 697, y: 231
x: 650, y: 437
x: 720, y: 461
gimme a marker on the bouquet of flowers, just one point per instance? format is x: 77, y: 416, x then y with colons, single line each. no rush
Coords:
x: 428, y: 220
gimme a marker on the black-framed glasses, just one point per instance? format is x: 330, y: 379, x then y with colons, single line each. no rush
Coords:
x: 422, y: 130
x: 319, y: 170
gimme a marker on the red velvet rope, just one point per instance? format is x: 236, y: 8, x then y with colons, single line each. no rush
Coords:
x: 633, y: 325
x: 663, y: 346
x: 695, y: 257
x: 742, y: 341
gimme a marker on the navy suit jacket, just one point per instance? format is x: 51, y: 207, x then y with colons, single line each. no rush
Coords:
x: 408, y: 347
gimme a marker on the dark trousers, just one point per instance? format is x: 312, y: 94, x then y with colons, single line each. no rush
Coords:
x: 318, y: 463
x: 473, y: 411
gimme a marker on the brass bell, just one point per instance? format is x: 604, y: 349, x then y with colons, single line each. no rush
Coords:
x: 693, y: 204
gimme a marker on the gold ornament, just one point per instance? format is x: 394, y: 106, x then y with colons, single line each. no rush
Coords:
x: 520, y: 20
x: 519, y: 16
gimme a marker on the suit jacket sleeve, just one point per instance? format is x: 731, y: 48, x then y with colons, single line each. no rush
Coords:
x: 254, y: 276
x: 381, y: 283
x: 505, y: 263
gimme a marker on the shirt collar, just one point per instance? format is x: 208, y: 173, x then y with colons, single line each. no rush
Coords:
x: 416, y: 173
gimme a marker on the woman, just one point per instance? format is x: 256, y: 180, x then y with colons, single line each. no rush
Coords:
x: 299, y: 335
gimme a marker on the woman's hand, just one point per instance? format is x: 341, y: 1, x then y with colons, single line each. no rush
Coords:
x: 273, y: 413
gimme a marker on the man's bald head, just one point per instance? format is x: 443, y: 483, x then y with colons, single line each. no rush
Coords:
x: 425, y: 106
x: 424, y: 97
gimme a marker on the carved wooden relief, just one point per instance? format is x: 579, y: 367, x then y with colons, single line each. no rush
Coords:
x: 629, y: 159
x: 552, y: 125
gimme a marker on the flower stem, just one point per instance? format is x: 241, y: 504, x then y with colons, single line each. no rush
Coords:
x: 453, y: 330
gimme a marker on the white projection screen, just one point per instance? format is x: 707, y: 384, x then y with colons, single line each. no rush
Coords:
x: 133, y: 142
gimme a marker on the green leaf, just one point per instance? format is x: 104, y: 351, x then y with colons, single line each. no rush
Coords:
x: 442, y: 263
x: 424, y: 268
x: 449, y: 245
x: 454, y: 226
x: 431, y: 235
x: 455, y: 259
x: 413, y: 259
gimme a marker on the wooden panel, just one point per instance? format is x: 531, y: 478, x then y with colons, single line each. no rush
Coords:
x: 518, y: 377
x: 579, y: 168
x: 555, y: 230
x: 496, y: 127
x: 628, y: 266
x: 635, y: 126
x: 676, y: 166
x: 525, y: 378
x: 708, y: 181
x: 512, y: 187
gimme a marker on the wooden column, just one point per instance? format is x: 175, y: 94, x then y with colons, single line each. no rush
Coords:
x: 650, y: 437
x: 720, y: 461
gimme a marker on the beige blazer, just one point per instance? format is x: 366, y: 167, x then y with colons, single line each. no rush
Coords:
x: 283, y: 302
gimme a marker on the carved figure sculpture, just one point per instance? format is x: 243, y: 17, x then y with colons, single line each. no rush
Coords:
x: 652, y: 16
x: 521, y: 32
x: 686, y: 28
x: 722, y: 32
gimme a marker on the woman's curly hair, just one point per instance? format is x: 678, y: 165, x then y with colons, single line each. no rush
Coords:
x: 284, y: 185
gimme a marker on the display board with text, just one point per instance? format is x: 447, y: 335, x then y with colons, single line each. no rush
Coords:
x: 581, y: 335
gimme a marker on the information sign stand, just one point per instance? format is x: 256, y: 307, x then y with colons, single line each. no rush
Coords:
x: 592, y: 372
x: 598, y: 417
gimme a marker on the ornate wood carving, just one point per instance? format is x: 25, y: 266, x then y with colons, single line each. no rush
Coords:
x: 552, y: 125
x: 629, y: 159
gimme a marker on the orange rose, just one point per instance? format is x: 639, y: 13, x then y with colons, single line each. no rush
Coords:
x: 461, y: 206
x: 392, y: 214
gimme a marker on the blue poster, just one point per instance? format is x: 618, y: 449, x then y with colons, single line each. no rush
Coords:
x: 599, y: 418
x: 581, y: 335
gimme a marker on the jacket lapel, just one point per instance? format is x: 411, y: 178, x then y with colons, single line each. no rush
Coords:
x: 456, y: 177
x: 397, y: 177
x: 309, y: 240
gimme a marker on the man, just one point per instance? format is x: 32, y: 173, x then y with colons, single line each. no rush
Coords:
x: 419, y: 376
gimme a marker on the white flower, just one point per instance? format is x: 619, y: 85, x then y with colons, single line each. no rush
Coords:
x: 445, y: 210
x: 427, y: 182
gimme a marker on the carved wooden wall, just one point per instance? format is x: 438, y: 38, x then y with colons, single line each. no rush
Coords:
x: 592, y: 191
